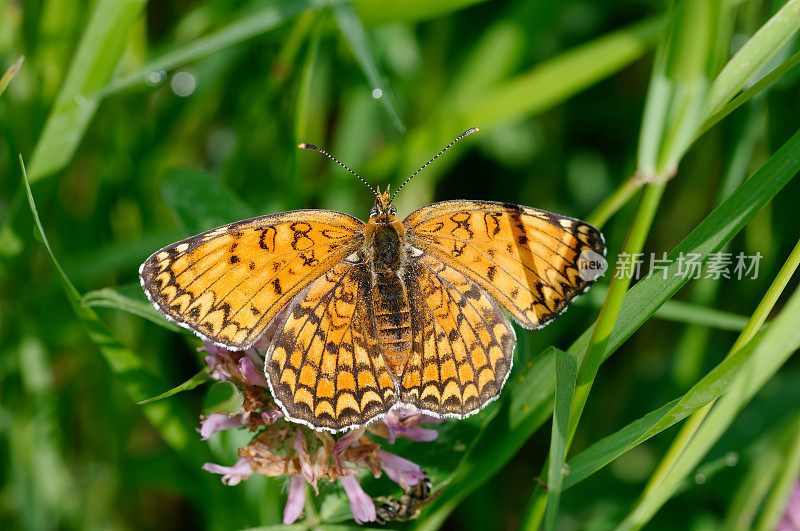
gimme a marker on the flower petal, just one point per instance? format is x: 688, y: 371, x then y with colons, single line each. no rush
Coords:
x: 346, y: 441
x: 402, y: 471
x: 296, y: 500
x: 361, y: 505
x: 306, y: 466
x: 250, y: 374
x: 791, y: 517
x: 219, y: 422
x: 232, y: 475
x: 271, y: 416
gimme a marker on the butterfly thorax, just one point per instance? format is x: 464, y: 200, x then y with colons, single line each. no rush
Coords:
x: 385, y: 255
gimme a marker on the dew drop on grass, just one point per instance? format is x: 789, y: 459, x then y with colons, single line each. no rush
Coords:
x: 732, y: 458
x: 700, y: 479
x: 377, y: 93
x: 183, y: 84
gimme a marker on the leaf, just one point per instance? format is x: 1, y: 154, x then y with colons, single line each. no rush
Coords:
x: 198, y: 379
x: 566, y: 371
x: 98, y: 53
x: 200, y: 201
x: 129, y: 299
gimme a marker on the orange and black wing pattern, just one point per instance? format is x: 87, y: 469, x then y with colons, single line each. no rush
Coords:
x: 526, y: 259
x: 325, y: 366
x: 227, y: 284
x: 463, y: 343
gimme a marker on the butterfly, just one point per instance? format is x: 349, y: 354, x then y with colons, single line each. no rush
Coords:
x: 369, y: 317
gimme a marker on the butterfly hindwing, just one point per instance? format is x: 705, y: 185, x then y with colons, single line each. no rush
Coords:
x: 325, y: 366
x: 526, y: 259
x: 463, y: 343
x: 227, y: 284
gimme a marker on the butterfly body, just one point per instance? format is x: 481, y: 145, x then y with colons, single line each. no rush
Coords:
x: 387, y: 255
x: 372, y: 316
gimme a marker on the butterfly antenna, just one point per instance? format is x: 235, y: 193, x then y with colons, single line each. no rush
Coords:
x: 304, y: 145
x: 459, y: 137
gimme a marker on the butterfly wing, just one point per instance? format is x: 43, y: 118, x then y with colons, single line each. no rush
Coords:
x: 325, y: 366
x: 463, y: 343
x: 527, y: 259
x: 227, y: 284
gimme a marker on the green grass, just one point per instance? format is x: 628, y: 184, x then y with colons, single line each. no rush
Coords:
x: 673, y: 126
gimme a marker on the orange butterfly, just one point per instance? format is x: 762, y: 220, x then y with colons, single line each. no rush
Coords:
x: 381, y: 314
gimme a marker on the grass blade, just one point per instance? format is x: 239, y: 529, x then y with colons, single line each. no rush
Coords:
x: 709, y: 388
x: 566, y: 371
x: 718, y: 115
x: 355, y: 34
x: 247, y: 26
x: 129, y: 299
x: 528, y: 402
x: 138, y: 382
x: 397, y: 11
x: 198, y: 379
x: 557, y: 79
x: 754, y: 54
x: 96, y: 58
x: 777, y: 345
x: 10, y: 73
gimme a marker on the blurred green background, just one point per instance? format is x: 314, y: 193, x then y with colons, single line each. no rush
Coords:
x: 143, y: 123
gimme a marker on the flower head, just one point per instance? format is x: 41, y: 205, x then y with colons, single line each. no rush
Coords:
x: 282, y: 448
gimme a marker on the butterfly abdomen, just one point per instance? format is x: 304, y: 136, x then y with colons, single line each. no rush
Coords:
x: 389, y: 297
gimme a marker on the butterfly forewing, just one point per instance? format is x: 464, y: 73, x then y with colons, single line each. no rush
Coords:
x: 463, y: 343
x: 527, y: 259
x: 325, y: 366
x: 227, y: 284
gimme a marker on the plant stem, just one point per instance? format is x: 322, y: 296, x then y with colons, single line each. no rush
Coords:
x: 634, y: 242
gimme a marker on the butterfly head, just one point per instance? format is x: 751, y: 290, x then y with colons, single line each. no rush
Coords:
x: 383, y: 210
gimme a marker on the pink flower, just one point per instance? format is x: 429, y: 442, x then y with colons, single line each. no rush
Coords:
x: 250, y: 374
x: 271, y: 416
x: 232, y: 475
x: 791, y: 518
x: 350, y: 438
x: 219, y: 361
x: 306, y: 466
x: 401, y: 423
x: 296, y: 500
x: 219, y: 422
x: 361, y: 505
x: 402, y: 471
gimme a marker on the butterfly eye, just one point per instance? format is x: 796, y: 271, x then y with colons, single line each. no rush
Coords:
x: 373, y: 211
x: 392, y: 210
